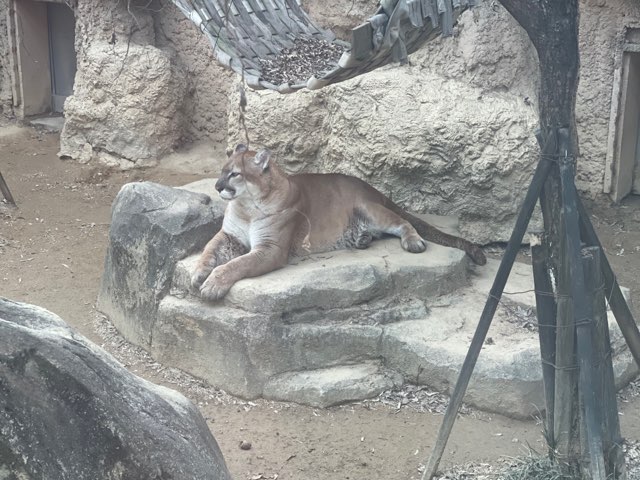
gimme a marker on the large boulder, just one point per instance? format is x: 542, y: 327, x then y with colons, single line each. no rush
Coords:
x: 70, y: 411
x: 126, y: 106
x: 152, y: 228
x: 452, y: 133
x: 128, y: 96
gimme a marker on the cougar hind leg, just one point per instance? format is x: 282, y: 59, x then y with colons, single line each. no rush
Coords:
x: 383, y: 220
x: 363, y: 240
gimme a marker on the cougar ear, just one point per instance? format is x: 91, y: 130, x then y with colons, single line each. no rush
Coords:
x: 262, y: 159
x: 240, y: 148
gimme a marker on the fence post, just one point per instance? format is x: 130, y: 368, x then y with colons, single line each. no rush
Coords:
x: 546, y: 313
x: 605, y: 379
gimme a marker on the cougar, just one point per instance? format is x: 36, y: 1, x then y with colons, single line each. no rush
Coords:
x: 272, y: 216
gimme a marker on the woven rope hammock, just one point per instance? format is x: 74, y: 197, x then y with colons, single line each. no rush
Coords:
x: 256, y: 38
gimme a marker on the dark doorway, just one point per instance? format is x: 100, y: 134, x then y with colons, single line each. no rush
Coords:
x: 62, y: 54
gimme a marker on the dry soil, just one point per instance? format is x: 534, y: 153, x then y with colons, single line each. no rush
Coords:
x: 52, y: 252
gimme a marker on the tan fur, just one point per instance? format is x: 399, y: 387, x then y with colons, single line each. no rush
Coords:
x: 272, y: 216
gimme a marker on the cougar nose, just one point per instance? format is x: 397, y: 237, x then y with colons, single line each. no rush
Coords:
x: 219, y: 185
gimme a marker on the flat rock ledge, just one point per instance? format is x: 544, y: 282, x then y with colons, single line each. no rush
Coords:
x: 335, y: 327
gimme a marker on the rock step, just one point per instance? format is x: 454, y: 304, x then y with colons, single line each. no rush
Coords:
x: 240, y: 351
x: 338, y: 280
x: 253, y: 354
x: 332, y: 386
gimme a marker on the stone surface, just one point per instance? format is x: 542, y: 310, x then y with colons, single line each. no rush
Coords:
x: 207, y: 82
x: 325, y: 310
x: 423, y: 338
x: 71, y: 411
x: 126, y: 106
x: 147, y: 81
x: 332, y: 386
x: 49, y: 124
x: 152, y: 227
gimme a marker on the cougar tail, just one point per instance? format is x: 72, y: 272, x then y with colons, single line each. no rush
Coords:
x: 431, y: 233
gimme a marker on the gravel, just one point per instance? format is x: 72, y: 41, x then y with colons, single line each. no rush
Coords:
x: 308, y: 57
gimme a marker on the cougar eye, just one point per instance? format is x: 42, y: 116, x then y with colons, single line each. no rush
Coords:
x: 233, y: 174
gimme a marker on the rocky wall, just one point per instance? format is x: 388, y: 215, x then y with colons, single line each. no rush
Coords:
x: 127, y: 106
x: 205, y: 103
x: 339, y: 16
x: 451, y: 133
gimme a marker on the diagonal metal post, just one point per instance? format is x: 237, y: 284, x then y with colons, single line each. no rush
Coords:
x: 513, y: 246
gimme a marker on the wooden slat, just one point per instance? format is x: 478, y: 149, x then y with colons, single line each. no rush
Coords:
x: 605, y: 376
x: 582, y: 314
x: 6, y: 193
x: 361, y: 41
x: 546, y: 311
x: 513, y: 246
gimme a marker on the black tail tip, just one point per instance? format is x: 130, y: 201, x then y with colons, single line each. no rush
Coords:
x: 477, y: 255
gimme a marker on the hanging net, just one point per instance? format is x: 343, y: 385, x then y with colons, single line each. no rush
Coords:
x: 274, y: 44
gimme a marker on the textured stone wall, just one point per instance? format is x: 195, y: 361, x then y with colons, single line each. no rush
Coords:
x: 127, y: 106
x: 340, y: 16
x: 5, y: 77
x: 205, y: 103
x: 146, y: 82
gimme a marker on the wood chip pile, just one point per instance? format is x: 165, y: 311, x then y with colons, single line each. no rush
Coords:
x: 308, y: 57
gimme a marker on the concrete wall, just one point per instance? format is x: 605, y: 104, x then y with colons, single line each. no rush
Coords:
x: 127, y: 106
x: 602, y: 33
x: 5, y: 76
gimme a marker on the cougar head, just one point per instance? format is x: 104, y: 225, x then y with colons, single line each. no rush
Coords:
x: 245, y: 173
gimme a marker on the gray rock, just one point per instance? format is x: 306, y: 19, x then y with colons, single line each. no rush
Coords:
x: 152, y: 228
x: 332, y: 386
x: 209, y: 341
x: 70, y: 411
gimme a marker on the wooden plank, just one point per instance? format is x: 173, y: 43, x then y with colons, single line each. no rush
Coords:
x: 362, y: 41
x: 605, y: 386
x: 582, y: 314
x: 262, y: 15
x: 566, y: 387
x: 546, y: 311
x: 6, y: 193
x: 614, y: 295
x: 513, y: 247
x: 447, y: 19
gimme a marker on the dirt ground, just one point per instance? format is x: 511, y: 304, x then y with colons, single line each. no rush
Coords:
x: 52, y: 252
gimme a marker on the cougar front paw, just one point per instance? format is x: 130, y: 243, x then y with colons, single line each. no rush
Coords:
x: 413, y: 244
x: 216, y: 285
x: 198, y: 278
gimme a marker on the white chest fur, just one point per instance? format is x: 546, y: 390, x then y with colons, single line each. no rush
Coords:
x: 251, y: 233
